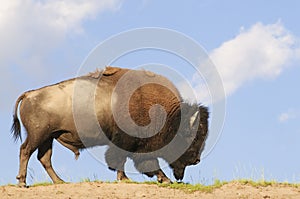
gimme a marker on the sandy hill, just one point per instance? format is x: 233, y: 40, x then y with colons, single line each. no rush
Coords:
x: 132, y: 190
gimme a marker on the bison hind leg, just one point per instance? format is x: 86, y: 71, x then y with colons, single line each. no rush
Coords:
x: 44, y: 156
x: 26, y: 151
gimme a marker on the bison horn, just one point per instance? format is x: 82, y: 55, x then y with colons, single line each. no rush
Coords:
x: 193, y: 119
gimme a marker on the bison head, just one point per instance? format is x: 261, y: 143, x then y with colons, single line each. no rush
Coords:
x: 197, y: 117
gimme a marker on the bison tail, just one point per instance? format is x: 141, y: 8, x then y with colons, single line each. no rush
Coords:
x: 16, y: 127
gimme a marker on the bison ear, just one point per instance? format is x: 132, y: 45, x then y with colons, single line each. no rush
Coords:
x: 193, y: 119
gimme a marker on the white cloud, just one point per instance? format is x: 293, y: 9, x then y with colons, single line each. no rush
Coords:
x: 30, y: 28
x: 262, y: 51
x: 285, y: 116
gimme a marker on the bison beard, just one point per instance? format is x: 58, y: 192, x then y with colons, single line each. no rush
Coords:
x: 48, y: 113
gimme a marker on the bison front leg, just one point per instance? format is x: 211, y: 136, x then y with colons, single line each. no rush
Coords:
x: 115, y: 160
x: 162, y: 178
x: 44, y: 156
x: 121, y: 176
x: 150, y: 167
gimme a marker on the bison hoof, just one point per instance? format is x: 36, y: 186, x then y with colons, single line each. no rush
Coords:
x: 60, y: 181
x: 22, y: 185
x: 165, y: 181
x: 124, y: 179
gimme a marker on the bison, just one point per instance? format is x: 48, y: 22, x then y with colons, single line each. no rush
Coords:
x: 138, y: 114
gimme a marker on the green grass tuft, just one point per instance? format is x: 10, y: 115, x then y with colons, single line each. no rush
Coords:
x: 8, y: 185
x: 183, y: 186
x: 86, y: 180
x: 41, y: 184
x: 196, y: 187
x: 263, y: 183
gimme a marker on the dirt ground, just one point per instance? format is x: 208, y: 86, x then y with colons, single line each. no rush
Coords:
x: 125, y: 190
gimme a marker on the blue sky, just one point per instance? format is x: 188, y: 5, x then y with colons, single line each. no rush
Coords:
x: 255, y: 45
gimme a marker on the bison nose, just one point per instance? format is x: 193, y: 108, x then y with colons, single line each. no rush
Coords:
x: 197, y: 161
